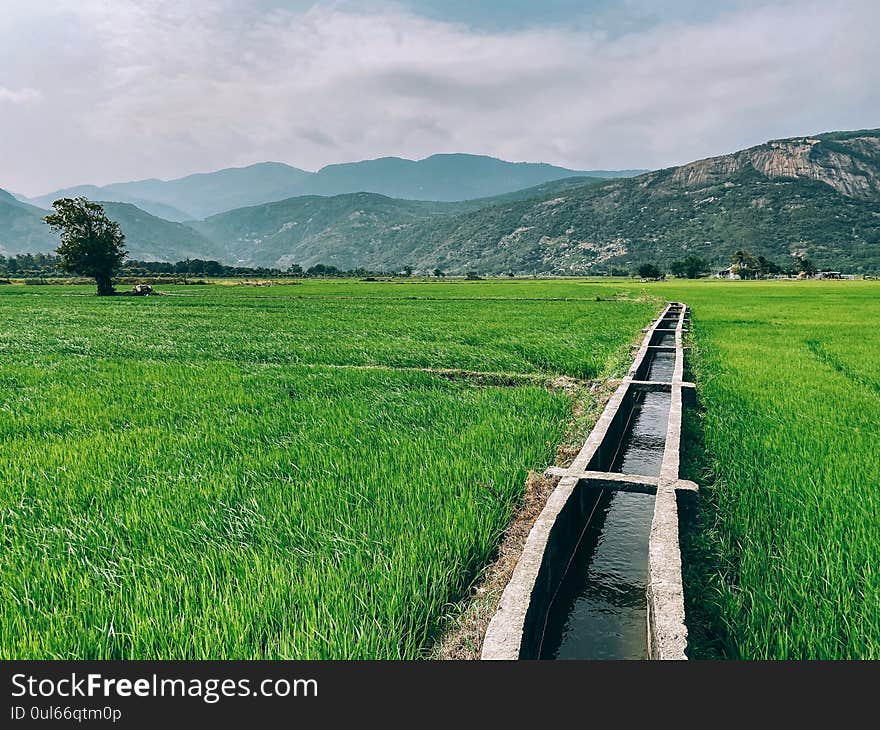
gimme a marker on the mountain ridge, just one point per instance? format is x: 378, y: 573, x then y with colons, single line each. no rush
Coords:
x: 441, y: 177
x: 813, y: 195
x: 148, y: 237
x: 853, y: 172
x: 21, y: 227
x: 816, y: 195
x: 340, y: 229
x: 94, y: 192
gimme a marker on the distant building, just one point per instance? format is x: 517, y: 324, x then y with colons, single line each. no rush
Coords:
x: 727, y: 273
x: 828, y: 275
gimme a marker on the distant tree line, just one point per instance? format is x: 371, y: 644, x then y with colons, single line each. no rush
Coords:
x: 211, y: 268
x: 41, y: 265
x: 28, y: 264
x: 743, y: 264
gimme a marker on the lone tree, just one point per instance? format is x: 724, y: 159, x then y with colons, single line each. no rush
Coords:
x: 649, y: 271
x: 91, y: 244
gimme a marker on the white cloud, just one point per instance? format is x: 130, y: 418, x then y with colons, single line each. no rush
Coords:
x: 154, y: 87
x: 19, y: 96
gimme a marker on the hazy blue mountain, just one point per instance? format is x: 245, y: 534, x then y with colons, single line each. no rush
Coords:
x: 440, y: 177
x: 10, y: 199
x: 93, y: 192
x: 149, y: 238
x: 18, y: 196
x: 21, y: 227
x: 205, y: 194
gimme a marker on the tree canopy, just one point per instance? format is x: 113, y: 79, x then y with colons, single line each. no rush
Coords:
x: 744, y: 264
x: 691, y: 267
x: 91, y: 244
x: 807, y: 267
x: 649, y: 271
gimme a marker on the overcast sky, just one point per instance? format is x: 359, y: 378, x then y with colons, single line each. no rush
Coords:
x: 98, y: 91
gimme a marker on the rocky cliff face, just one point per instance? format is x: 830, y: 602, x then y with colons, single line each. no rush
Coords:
x: 849, y: 164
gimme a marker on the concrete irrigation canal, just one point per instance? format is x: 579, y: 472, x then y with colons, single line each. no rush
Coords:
x: 600, y: 574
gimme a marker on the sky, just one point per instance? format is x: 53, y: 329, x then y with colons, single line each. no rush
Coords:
x: 100, y: 91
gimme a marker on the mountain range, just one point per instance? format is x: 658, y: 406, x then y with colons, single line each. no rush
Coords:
x: 148, y: 238
x: 439, y: 177
x: 817, y: 196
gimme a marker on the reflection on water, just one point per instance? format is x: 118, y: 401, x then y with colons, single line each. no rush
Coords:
x: 600, y: 609
x: 661, y: 367
x: 641, y: 449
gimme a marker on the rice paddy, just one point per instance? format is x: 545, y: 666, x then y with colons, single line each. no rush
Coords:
x: 785, y: 563
x: 239, y: 472
x: 204, y: 476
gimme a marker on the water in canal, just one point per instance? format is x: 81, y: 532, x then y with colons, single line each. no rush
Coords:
x: 641, y: 448
x: 599, y: 611
x: 661, y: 366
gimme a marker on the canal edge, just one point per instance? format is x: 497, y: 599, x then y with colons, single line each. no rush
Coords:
x: 506, y: 636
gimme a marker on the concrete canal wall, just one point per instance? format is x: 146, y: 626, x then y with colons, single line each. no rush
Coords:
x: 518, y: 628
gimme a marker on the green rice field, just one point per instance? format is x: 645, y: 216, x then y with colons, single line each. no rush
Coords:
x: 202, y: 475
x: 787, y: 558
x: 271, y: 472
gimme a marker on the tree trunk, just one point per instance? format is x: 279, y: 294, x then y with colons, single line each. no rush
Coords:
x: 105, y: 286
